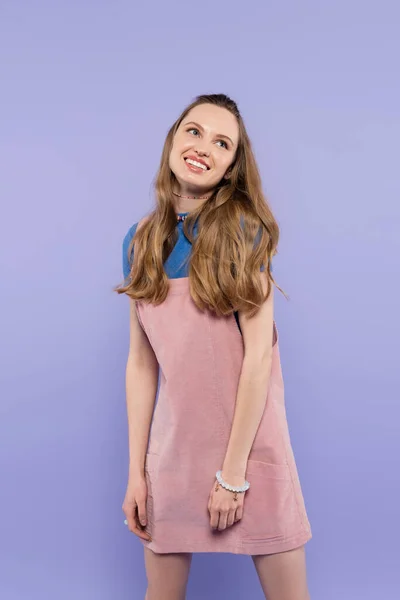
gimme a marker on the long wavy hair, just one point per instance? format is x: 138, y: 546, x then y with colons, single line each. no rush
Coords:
x: 237, y: 233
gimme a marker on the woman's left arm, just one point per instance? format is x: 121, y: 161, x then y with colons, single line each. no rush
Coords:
x: 257, y: 333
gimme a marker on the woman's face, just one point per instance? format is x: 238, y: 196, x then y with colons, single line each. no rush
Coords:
x: 208, y: 135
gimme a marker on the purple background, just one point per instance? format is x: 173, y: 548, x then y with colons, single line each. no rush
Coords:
x: 89, y: 90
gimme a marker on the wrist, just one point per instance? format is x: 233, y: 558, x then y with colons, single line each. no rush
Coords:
x: 234, y: 478
x: 234, y: 470
x: 135, y: 471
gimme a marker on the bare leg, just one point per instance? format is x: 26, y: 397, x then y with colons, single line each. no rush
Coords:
x: 167, y: 575
x: 283, y: 575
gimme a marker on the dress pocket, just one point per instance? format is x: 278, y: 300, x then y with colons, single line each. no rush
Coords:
x: 269, y: 509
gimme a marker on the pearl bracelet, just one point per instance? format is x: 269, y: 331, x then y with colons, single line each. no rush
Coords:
x: 231, y: 488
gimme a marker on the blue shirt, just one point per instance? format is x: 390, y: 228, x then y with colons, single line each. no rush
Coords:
x: 177, y: 263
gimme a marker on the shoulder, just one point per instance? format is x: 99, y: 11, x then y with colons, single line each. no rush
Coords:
x: 132, y: 230
x: 129, y: 235
x: 127, y: 251
x: 127, y: 255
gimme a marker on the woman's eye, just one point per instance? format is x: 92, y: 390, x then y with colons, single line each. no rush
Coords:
x: 197, y: 131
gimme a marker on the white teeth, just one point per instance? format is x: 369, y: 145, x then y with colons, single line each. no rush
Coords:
x: 196, y: 164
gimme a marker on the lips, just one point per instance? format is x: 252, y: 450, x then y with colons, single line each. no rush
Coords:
x: 199, y: 160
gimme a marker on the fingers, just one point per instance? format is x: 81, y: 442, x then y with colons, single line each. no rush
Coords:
x: 227, y: 519
x: 231, y: 518
x: 222, y: 520
x: 129, y: 511
x: 132, y: 516
x: 223, y: 517
x: 239, y: 513
x: 141, y: 509
x: 139, y: 531
x: 214, y: 518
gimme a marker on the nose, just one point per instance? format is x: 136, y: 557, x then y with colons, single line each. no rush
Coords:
x: 201, y: 151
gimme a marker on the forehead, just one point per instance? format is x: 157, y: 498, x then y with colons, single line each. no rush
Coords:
x: 214, y: 119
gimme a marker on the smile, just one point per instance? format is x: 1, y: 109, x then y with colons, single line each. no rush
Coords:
x: 195, y: 164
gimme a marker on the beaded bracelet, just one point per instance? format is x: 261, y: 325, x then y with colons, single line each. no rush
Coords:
x: 231, y: 488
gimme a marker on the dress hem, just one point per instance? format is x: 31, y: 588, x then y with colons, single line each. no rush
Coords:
x: 248, y: 547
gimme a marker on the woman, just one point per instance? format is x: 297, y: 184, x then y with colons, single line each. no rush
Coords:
x: 212, y: 470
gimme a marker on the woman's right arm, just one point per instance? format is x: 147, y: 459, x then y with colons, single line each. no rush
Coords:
x: 141, y: 389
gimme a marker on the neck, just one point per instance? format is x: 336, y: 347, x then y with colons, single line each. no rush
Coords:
x: 186, y: 201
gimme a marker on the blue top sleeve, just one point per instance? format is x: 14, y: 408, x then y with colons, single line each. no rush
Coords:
x: 127, y: 260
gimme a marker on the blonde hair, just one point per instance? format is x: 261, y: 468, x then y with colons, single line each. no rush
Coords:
x: 237, y: 233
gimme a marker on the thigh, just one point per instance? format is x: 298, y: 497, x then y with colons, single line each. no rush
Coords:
x: 283, y: 575
x: 167, y: 575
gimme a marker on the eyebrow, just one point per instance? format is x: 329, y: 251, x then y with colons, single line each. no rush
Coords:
x: 221, y: 135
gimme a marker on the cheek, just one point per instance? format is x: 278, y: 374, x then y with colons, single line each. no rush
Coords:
x: 175, y: 157
x: 174, y: 154
x: 223, y: 163
x: 181, y: 142
x: 179, y: 147
x: 185, y: 145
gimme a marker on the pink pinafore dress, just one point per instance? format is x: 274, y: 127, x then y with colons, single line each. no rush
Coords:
x: 200, y: 357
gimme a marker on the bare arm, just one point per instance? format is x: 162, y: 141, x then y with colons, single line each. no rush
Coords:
x: 141, y: 388
x: 252, y: 390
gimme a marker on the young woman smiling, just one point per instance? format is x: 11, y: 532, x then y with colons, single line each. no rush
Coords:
x: 211, y: 467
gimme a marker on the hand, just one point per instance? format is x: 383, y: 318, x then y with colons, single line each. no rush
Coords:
x: 134, y: 506
x: 223, y: 508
